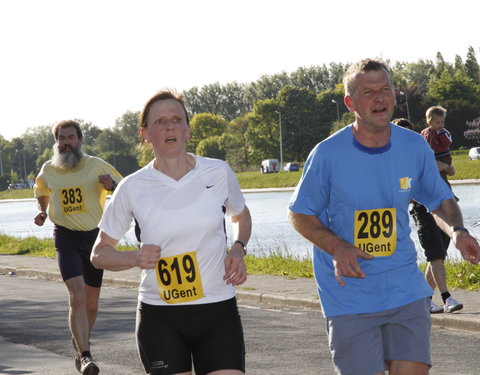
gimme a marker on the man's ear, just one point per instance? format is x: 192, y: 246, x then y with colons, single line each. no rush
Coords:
x: 349, y: 103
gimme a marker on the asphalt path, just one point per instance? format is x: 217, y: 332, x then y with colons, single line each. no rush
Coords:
x: 34, y: 336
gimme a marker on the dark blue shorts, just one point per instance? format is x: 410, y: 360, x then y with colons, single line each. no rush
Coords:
x: 73, y: 254
x: 170, y: 337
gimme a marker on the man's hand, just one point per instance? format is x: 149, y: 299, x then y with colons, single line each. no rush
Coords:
x: 467, y: 245
x: 345, y: 261
x: 107, y: 181
x: 40, y: 218
x: 147, y: 257
x: 235, y: 268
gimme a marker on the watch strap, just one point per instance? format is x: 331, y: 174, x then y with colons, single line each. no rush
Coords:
x: 463, y: 229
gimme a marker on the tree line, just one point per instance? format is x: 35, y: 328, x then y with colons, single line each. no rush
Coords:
x: 240, y: 122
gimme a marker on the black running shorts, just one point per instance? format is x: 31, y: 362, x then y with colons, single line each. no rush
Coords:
x: 169, y: 337
x: 73, y: 254
x: 432, y: 239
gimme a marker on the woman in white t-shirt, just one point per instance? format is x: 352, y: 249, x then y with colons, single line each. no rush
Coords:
x: 187, y: 307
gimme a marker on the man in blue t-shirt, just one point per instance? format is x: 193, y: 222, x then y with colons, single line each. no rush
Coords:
x: 352, y: 204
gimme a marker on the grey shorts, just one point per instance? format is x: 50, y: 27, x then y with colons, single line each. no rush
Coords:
x: 361, y: 343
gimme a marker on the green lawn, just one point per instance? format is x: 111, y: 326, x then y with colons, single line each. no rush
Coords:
x: 460, y: 275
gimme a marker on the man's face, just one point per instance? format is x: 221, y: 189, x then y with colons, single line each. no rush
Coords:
x: 67, y: 139
x: 373, y: 100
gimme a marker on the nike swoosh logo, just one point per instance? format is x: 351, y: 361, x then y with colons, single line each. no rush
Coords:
x: 209, y: 186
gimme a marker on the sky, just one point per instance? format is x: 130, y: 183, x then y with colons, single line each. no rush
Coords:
x: 96, y: 59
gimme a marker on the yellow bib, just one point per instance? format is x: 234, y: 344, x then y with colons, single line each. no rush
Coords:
x: 376, y: 231
x: 179, y: 278
x: 72, y: 200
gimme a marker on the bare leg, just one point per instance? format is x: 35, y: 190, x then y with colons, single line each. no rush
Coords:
x: 93, y: 296
x: 83, y: 301
x: 407, y: 368
x: 429, y: 277
x: 439, y: 274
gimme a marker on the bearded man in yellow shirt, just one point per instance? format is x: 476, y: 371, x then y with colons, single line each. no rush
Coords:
x: 73, y: 186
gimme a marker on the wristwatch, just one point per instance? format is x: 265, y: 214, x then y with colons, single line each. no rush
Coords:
x: 243, y: 245
x: 454, y: 229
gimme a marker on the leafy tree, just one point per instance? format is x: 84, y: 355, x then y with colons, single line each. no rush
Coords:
x: 315, y: 78
x: 203, y: 126
x: 207, y: 99
x: 347, y: 118
x: 460, y: 96
x: 267, y: 87
x: 8, y: 155
x: 302, y: 125
x: 14, y: 178
x: 459, y: 112
x: 442, y: 66
x: 3, y: 182
x: 331, y: 100
x: 192, y: 101
x: 300, y: 122
x: 112, y: 147
x: 127, y: 127
x: 262, y: 134
x: 472, y: 68
x: 211, y: 147
x: 415, y: 75
x: 35, y: 141
x: 235, y: 143
x: 44, y: 157
x: 146, y: 155
x: 235, y: 103
x: 228, y: 101
x: 453, y: 86
x: 458, y: 65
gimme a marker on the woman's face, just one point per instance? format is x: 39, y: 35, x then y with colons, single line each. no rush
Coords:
x: 167, y: 129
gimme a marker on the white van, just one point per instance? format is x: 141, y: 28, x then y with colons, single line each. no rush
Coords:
x: 270, y: 166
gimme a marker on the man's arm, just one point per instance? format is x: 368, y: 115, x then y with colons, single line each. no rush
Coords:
x: 345, y: 255
x: 449, y: 218
x: 42, y: 204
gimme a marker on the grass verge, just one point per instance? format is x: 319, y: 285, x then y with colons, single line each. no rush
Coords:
x: 460, y: 275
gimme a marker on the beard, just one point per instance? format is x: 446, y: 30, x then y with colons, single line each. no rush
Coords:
x: 68, y: 157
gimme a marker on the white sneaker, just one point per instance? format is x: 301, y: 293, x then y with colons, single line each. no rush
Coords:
x: 451, y: 305
x: 434, y: 308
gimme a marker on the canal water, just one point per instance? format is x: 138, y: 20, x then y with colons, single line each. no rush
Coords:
x: 271, y: 231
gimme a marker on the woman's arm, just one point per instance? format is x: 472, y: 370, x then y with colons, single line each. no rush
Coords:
x: 106, y: 256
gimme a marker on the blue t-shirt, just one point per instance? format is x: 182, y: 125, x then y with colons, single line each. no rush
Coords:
x: 362, y: 194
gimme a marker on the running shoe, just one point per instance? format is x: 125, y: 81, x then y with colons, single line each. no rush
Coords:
x: 451, y: 305
x: 88, y: 366
x: 434, y: 308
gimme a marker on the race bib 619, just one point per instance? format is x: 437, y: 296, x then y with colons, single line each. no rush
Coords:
x: 376, y: 231
x: 179, y: 278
